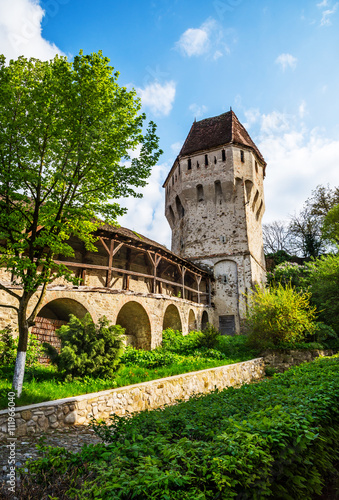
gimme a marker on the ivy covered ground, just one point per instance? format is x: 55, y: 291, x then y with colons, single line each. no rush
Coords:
x: 277, y: 439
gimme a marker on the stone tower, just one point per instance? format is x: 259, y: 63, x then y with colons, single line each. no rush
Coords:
x: 214, y: 205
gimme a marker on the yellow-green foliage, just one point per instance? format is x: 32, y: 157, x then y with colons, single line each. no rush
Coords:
x: 279, y: 314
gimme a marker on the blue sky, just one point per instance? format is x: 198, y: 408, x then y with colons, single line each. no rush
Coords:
x: 275, y: 62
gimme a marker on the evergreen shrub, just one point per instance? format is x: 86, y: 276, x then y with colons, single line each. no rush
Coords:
x: 88, y: 349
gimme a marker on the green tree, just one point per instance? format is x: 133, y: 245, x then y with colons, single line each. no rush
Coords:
x: 306, y: 228
x: 66, y: 135
x: 331, y: 225
x: 322, y: 277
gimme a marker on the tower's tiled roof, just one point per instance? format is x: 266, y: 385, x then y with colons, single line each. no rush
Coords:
x: 217, y: 131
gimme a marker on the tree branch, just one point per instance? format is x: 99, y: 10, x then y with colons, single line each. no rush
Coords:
x: 13, y: 294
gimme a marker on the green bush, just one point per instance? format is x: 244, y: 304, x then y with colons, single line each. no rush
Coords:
x: 279, y: 314
x: 9, y: 346
x: 322, y: 277
x: 278, y: 439
x: 88, y: 349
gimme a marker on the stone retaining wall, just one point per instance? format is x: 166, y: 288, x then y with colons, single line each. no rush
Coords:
x: 281, y: 361
x: 78, y: 410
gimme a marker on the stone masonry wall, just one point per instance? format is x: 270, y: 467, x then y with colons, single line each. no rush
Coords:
x: 149, y: 395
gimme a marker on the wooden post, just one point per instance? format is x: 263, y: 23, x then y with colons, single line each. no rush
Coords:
x: 209, y: 292
x: 198, y: 280
x: 110, y: 264
x: 126, y: 277
x: 183, y: 272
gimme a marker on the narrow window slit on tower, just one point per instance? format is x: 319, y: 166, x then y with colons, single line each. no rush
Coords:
x: 206, y: 160
x: 242, y: 156
x: 198, y: 164
x: 172, y: 216
x: 223, y: 155
x: 215, y: 160
x: 218, y: 191
x: 189, y: 164
x: 200, y: 193
x: 180, y: 208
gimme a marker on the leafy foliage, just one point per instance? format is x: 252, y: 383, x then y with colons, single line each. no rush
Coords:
x: 287, y: 273
x: 322, y: 277
x: 279, y: 314
x: 67, y: 130
x: 8, y: 348
x: 331, y: 225
x: 87, y: 348
x: 274, y: 439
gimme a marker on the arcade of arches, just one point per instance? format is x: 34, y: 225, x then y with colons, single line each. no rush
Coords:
x: 144, y: 318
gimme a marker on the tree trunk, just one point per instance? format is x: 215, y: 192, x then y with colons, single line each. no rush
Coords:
x: 19, y: 370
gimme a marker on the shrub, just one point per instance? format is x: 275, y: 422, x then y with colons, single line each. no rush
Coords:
x: 9, y: 345
x: 209, y: 337
x: 279, y: 314
x: 88, y: 349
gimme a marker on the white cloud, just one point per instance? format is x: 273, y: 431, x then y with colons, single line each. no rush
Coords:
x: 286, y: 61
x: 326, y: 14
x: 252, y: 116
x: 20, y: 29
x: 146, y: 215
x: 194, y: 42
x: 158, y: 97
x: 208, y: 39
x: 324, y: 3
x: 198, y: 111
x: 298, y: 159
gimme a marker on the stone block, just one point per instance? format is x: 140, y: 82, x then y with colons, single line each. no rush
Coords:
x: 70, y: 418
x: 26, y: 414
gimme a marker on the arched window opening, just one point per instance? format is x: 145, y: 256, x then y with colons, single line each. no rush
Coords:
x: 172, y: 318
x: 133, y: 317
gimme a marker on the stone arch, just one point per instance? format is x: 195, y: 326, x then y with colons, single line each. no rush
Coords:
x: 134, y: 318
x: 204, y: 320
x: 52, y: 316
x: 192, y: 322
x: 172, y: 318
x: 60, y: 309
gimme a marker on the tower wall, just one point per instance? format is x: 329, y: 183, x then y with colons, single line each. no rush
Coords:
x: 214, y: 205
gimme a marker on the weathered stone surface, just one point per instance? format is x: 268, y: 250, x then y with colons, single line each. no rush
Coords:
x: 281, y: 361
x: 70, y: 418
x: 26, y: 414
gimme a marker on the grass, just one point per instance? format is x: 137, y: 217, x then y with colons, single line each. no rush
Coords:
x: 44, y: 383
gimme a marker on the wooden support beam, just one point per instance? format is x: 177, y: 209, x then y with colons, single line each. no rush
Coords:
x: 110, y: 263
x: 183, y: 281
